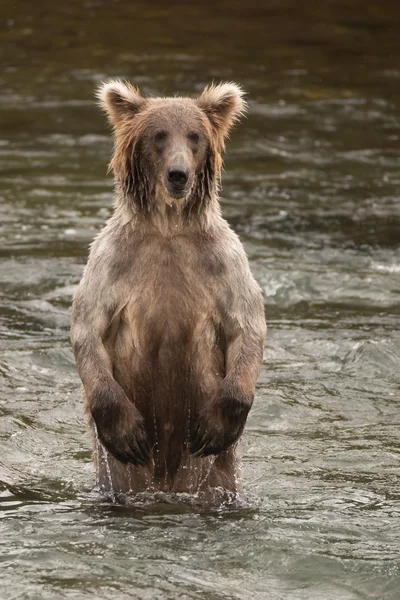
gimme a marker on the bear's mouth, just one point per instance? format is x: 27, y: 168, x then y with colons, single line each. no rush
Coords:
x: 178, y: 192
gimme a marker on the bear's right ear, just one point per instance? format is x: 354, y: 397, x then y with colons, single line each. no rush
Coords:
x: 119, y: 99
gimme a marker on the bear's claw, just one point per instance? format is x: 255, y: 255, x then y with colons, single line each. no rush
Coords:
x: 130, y: 450
x: 120, y: 426
x: 209, y: 438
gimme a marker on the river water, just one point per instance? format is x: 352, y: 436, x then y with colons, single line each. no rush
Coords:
x: 312, y: 187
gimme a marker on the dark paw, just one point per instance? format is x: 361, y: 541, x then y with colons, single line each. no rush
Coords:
x: 132, y: 447
x: 120, y: 428
x: 219, y: 426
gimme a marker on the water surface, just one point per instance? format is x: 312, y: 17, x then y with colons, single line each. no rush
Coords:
x: 312, y: 187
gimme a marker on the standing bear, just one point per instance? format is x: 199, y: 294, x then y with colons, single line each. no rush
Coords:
x: 168, y: 322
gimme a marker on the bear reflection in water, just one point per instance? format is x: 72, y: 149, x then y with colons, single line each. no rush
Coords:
x: 168, y: 322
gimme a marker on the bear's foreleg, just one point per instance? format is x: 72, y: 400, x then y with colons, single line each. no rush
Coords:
x: 120, y: 426
x: 221, y: 421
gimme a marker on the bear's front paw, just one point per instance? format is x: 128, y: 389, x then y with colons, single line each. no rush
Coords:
x: 220, y: 424
x: 120, y: 427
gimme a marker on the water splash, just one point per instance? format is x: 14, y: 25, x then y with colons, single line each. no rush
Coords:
x: 192, y: 470
x: 189, y: 464
x: 238, y: 471
x: 150, y: 481
x: 96, y: 456
x: 207, y: 470
x: 128, y: 470
x: 104, y: 459
x: 108, y: 470
x: 166, y: 473
x: 156, y: 448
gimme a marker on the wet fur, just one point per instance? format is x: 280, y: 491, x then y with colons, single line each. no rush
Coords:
x: 168, y: 322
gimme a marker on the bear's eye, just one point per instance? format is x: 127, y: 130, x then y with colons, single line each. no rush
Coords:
x: 160, y: 137
x: 194, y: 137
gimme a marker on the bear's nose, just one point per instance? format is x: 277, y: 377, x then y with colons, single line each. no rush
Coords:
x: 177, y: 175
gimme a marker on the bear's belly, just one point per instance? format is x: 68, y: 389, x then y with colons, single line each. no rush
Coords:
x: 167, y: 348
x: 169, y: 363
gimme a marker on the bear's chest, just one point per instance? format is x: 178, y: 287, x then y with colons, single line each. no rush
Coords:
x: 174, y: 296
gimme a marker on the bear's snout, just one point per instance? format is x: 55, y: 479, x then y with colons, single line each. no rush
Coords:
x: 177, y: 176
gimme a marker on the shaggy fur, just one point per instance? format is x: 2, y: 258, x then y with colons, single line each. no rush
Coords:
x: 168, y: 322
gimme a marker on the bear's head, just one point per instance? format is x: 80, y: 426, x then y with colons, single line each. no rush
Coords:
x: 168, y: 150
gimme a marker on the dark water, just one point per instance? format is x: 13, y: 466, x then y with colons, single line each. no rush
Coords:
x: 312, y: 186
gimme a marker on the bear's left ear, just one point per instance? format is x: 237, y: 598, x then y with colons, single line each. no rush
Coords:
x: 119, y: 99
x: 223, y: 105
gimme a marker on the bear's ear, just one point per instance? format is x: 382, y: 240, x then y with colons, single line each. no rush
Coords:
x: 223, y: 105
x: 119, y: 99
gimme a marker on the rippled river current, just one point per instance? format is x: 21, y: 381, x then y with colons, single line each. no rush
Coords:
x: 312, y: 187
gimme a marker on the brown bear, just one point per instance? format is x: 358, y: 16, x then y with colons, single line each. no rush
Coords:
x: 168, y: 322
